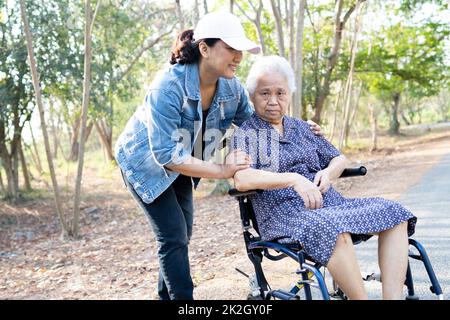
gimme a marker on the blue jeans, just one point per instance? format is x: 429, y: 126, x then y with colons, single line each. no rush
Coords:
x: 171, y: 217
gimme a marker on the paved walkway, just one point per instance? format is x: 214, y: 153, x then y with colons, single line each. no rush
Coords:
x: 430, y: 202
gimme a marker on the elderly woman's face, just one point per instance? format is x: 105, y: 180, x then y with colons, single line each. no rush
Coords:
x: 272, y: 97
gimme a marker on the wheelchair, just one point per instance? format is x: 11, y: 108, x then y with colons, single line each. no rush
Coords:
x: 309, y: 271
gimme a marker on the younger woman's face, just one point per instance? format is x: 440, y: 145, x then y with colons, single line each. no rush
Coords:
x: 221, y: 59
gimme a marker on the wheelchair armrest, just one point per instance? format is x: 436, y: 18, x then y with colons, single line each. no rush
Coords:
x: 348, y: 172
x: 353, y: 172
x: 236, y: 193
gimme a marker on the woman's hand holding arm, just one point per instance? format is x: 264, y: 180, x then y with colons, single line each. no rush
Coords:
x: 194, y: 167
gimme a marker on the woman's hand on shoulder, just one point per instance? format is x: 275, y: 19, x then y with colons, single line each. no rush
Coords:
x: 315, y: 128
x: 309, y: 192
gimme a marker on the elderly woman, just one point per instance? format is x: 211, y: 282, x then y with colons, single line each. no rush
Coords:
x: 295, y: 168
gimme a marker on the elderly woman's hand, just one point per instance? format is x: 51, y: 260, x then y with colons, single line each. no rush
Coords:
x: 309, y: 192
x: 322, y: 180
x: 234, y: 161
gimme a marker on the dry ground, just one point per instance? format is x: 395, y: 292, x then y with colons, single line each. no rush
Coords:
x: 116, y: 255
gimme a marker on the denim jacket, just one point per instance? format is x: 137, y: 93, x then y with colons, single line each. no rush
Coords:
x: 163, y: 130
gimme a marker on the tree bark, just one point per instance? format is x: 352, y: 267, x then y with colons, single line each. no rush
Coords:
x: 279, y: 26
x: 256, y: 21
x: 290, y: 15
x: 394, y: 128
x: 2, y: 186
x: 37, y: 89
x: 336, y: 113
x: 374, y: 126
x: 324, y: 89
x: 354, y: 109
x: 298, y: 108
x: 89, y: 23
x: 349, y: 85
x: 25, y: 173
x: 36, y: 152
x: 7, y: 165
x: 231, y: 6
x: 74, y: 146
x: 10, y: 158
x: 180, y: 14
x: 196, y: 16
x: 105, y: 140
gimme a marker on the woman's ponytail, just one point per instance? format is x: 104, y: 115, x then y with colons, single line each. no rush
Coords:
x: 185, y: 50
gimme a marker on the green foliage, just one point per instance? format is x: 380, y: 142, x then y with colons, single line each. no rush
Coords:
x: 409, y: 6
x: 405, y: 58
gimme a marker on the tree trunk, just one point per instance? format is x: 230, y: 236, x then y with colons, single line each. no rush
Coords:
x: 374, y: 126
x: 180, y: 14
x: 33, y: 158
x: 196, y: 16
x: 2, y: 186
x: 394, y: 128
x: 407, y: 122
x: 26, y: 175
x: 105, y: 140
x: 256, y: 21
x: 36, y: 152
x: 231, y: 6
x: 290, y: 15
x: 298, y: 108
x: 11, y: 193
x: 89, y: 22
x: 324, y: 89
x: 336, y: 105
x: 55, y: 139
x: 11, y: 190
x: 14, y: 147
x: 354, y: 111
x: 74, y: 146
x: 37, y: 89
x: 348, y: 93
x: 279, y: 26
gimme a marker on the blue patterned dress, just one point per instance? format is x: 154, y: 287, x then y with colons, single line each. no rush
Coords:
x: 281, y: 213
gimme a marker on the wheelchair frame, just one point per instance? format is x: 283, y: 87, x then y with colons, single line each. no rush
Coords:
x: 308, y: 268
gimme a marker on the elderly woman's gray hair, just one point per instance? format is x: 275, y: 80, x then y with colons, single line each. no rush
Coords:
x: 270, y: 65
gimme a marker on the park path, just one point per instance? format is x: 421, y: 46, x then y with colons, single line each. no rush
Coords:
x: 429, y: 200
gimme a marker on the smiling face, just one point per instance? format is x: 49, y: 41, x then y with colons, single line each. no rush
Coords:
x: 220, y: 59
x: 271, y: 97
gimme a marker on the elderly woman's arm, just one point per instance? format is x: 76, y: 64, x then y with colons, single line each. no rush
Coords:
x: 249, y: 179
x: 311, y: 193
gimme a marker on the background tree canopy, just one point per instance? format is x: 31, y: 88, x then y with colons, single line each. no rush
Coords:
x: 354, y: 60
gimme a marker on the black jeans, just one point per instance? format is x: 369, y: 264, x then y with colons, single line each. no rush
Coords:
x: 171, y: 217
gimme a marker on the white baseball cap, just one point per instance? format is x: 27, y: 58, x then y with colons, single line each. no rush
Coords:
x: 226, y: 27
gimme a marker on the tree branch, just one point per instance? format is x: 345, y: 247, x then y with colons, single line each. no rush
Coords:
x: 140, y: 53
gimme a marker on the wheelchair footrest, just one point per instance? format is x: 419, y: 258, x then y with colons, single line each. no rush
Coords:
x: 283, y: 295
x: 372, y: 277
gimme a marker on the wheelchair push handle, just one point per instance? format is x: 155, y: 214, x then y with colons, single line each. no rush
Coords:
x: 348, y: 172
